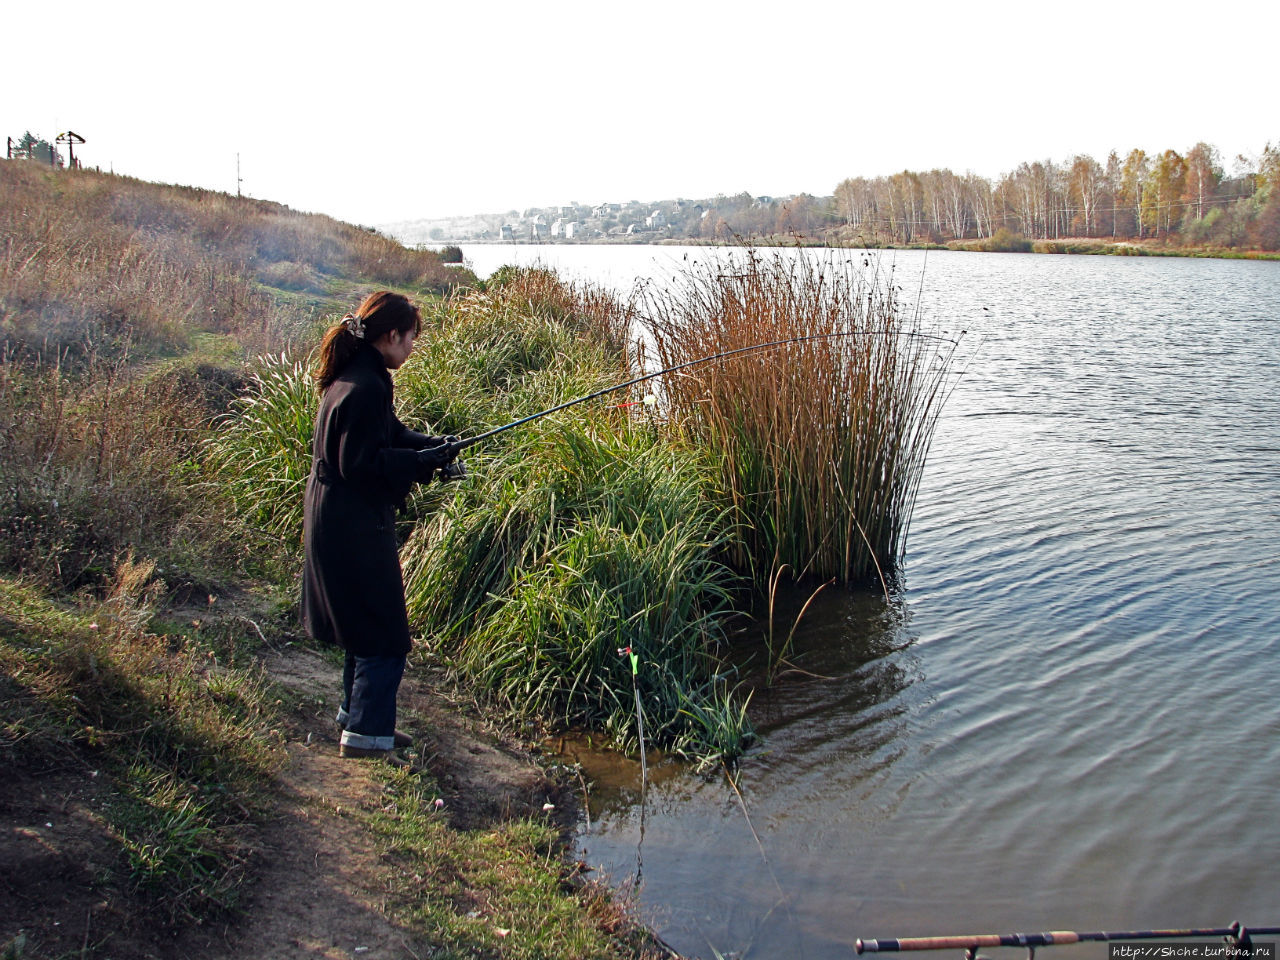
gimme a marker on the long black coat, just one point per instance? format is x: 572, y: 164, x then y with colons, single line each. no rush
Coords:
x: 363, y: 463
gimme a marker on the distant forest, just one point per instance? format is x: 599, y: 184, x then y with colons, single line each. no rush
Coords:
x: 1183, y: 199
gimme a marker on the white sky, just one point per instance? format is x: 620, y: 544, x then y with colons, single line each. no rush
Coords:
x: 375, y: 111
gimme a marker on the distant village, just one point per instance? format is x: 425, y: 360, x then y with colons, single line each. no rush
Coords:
x: 580, y: 223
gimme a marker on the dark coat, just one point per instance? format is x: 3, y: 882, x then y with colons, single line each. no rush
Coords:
x: 363, y: 463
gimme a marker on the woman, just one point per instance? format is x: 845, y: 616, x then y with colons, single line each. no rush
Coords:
x: 363, y: 463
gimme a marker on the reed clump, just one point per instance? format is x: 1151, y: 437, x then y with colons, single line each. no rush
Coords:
x: 821, y: 443
x: 577, y: 535
x: 260, y: 449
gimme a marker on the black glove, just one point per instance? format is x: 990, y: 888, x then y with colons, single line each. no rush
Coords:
x: 432, y: 459
x: 442, y: 457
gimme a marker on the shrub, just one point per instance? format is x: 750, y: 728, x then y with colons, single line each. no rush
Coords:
x: 1005, y: 240
x: 93, y: 463
x: 574, y: 543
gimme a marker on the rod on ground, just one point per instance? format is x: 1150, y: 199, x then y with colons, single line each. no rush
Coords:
x: 471, y: 441
x: 1234, y: 932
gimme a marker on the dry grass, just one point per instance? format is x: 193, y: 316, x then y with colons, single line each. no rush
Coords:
x: 90, y: 258
x: 94, y: 463
x: 822, y: 442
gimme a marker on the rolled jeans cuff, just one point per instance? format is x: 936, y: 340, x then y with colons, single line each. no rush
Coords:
x: 364, y: 742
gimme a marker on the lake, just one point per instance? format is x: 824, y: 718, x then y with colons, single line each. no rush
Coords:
x: 1069, y: 717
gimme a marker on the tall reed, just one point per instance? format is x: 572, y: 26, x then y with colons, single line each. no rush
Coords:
x: 821, y: 443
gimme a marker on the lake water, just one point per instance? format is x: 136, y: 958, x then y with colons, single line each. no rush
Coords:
x: 1070, y: 717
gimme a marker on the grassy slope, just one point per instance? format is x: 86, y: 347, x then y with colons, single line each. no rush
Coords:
x: 142, y: 741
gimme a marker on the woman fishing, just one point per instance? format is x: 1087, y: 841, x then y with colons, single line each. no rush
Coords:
x: 364, y: 462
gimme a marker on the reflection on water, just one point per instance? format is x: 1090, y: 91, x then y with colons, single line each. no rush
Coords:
x: 1069, y: 717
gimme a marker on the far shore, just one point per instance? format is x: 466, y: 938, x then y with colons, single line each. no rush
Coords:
x: 1090, y: 246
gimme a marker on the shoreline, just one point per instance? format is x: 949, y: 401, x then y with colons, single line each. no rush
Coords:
x: 1075, y: 247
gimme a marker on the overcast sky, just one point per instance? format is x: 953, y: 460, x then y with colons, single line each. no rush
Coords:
x: 380, y: 111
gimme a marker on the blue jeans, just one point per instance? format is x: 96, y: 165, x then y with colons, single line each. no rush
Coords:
x: 368, y: 711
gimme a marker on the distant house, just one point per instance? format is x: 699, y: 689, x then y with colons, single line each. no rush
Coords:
x: 505, y: 233
x: 762, y: 201
x: 656, y: 220
x: 537, y: 231
x: 557, y: 228
x: 573, y: 230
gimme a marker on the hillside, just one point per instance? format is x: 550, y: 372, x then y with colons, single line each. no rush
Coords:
x: 96, y: 259
x: 171, y: 781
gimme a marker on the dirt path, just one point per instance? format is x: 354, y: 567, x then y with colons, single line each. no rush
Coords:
x: 318, y: 884
x: 321, y: 882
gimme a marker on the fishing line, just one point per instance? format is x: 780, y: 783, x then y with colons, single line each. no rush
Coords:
x: 783, y: 899
x: 462, y: 444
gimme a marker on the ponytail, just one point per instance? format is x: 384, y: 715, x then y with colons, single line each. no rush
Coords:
x: 379, y: 314
x: 336, y: 350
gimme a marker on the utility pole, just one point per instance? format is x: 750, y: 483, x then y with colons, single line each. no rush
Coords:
x: 238, y: 180
x: 70, y: 138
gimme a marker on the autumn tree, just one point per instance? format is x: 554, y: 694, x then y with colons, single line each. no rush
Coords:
x: 855, y: 201
x: 1085, y: 184
x: 982, y: 202
x: 1265, y: 230
x: 1163, y: 190
x: 1133, y: 182
x: 1203, y: 173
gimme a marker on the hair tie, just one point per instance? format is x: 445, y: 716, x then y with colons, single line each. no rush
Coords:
x: 354, y: 325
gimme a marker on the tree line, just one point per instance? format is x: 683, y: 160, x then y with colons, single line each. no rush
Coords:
x: 1182, y: 199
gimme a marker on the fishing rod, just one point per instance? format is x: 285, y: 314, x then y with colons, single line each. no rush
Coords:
x: 1236, y: 935
x: 462, y: 444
